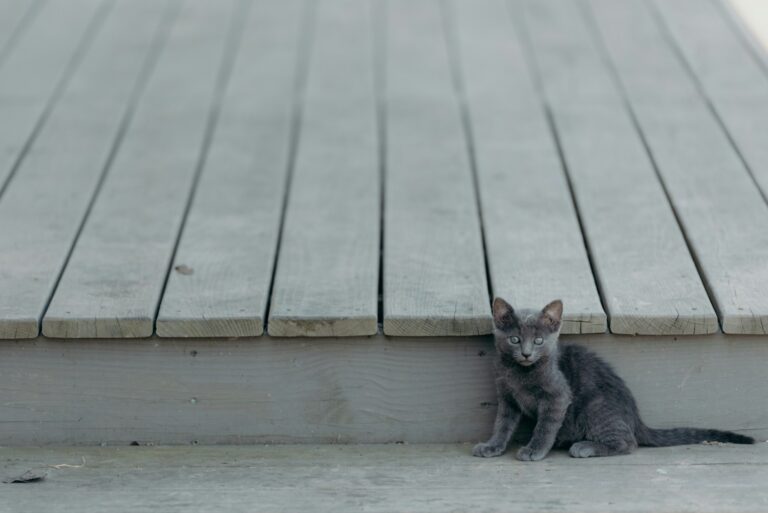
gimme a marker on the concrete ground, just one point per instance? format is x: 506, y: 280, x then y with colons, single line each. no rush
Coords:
x: 379, y: 478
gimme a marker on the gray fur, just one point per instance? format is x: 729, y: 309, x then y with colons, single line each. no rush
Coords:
x: 575, y: 398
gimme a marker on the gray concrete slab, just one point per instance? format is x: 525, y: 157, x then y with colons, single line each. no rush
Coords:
x: 378, y: 478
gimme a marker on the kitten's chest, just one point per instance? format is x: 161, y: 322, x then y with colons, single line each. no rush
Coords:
x: 525, y: 396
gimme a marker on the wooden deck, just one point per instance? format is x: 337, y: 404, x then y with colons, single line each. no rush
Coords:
x: 343, y: 167
x: 209, y: 178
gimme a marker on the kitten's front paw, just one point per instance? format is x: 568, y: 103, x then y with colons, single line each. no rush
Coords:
x: 528, y: 454
x: 484, y: 450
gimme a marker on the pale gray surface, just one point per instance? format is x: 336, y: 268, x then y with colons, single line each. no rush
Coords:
x: 244, y: 391
x: 112, y: 284
x: 734, y: 80
x: 750, y: 17
x: 535, y: 249
x: 32, y: 70
x: 385, y: 478
x: 230, y: 234
x: 721, y: 209
x: 41, y: 213
x: 327, y: 276
x: 434, y: 272
x: 13, y: 14
x: 649, y: 281
x: 353, y: 389
x: 435, y: 281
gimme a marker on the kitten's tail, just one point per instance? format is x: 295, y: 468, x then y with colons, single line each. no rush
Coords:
x: 682, y: 436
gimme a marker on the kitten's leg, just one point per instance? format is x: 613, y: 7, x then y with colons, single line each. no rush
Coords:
x: 609, y: 440
x: 507, y: 418
x: 548, y: 422
x: 589, y: 449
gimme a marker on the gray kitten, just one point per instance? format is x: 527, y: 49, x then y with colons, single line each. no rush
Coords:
x: 574, y: 397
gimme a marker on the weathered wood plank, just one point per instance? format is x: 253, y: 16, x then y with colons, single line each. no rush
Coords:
x: 353, y: 390
x: 535, y: 250
x: 41, y: 213
x: 37, y: 67
x: 326, y: 281
x: 112, y: 284
x: 231, y: 232
x: 649, y: 282
x: 434, y: 270
x: 720, y: 208
x: 13, y: 15
x: 381, y: 478
x: 733, y: 80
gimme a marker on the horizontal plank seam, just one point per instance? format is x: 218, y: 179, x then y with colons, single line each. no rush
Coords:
x: 605, y: 57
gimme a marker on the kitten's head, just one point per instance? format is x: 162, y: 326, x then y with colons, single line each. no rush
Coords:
x: 526, y: 336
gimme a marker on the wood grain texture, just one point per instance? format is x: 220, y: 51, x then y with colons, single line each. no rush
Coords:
x: 720, y: 207
x: 535, y: 250
x: 41, y: 214
x: 112, y: 284
x: 31, y: 73
x: 381, y: 478
x: 350, y: 390
x: 734, y: 81
x: 378, y: 478
x: 231, y: 232
x: 649, y: 282
x: 434, y: 270
x: 327, y: 275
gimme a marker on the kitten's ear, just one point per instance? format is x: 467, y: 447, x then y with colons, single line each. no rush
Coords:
x: 503, y: 313
x: 552, y: 314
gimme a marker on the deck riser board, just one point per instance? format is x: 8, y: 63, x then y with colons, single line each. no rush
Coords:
x: 344, y: 390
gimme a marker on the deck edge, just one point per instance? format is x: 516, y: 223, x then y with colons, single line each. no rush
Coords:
x: 99, y: 328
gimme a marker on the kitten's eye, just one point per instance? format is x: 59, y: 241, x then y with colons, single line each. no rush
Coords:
x: 538, y: 341
x: 513, y: 340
